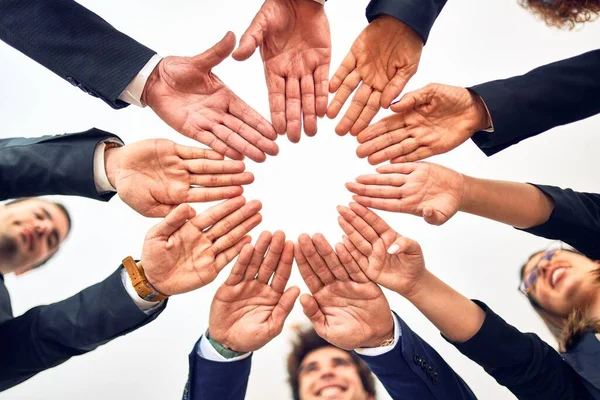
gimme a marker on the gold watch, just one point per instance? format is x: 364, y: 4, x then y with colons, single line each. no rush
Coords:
x: 140, y: 283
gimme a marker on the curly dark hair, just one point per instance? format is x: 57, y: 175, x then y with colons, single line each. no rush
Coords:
x: 565, y: 14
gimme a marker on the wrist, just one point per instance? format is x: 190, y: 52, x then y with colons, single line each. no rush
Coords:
x: 469, y: 199
x: 419, y: 287
x: 111, y: 164
x: 222, y: 347
x: 386, y: 338
x: 153, y: 78
x: 479, y: 113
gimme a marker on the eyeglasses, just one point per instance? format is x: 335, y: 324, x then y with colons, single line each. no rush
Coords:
x: 531, y: 278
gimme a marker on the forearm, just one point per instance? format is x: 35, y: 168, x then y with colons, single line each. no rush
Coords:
x: 457, y: 317
x: 517, y: 204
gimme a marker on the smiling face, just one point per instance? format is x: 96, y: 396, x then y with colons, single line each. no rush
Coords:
x: 565, y: 282
x: 330, y: 373
x: 31, y: 231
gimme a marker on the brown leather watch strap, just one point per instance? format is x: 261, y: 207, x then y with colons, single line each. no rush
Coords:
x: 140, y: 283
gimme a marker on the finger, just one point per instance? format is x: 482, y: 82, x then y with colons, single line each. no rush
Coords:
x: 218, y: 181
x: 378, y: 204
x: 358, y: 223
x: 251, y: 136
x: 381, y: 142
x: 237, y: 142
x: 341, y: 95
x: 413, y: 100
x: 216, y: 144
x: 331, y: 259
x: 351, y: 266
x: 405, y: 169
x: 357, y: 256
x: 199, y: 166
x: 214, y: 214
x: 433, y: 216
x: 359, y: 101
x: 393, y: 88
x: 374, y: 220
x: 367, y: 114
x: 203, y: 195
x: 276, y: 87
x: 216, y: 54
x: 232, y: 220
x: 270, y: 262
x: 284, y: 307
x: 381, y: 179
x: 309, y: 116
x: 362, y: 244
x: 173, y: 221
x: 251, y: 39
x: 225, y: 257
x: 314, y: 259
x: 311, y: 309
x: 196, y: 153
x: 346, y: 67
x: 292, y: 109
x: 404, y: 245
x: 378, y: 191
x: 387, y: 124
x: 252, y: 118
x: 284, y: 268
x: 237, y: 272
x: 236, y: 234
x: 420, y: 153
x: 396, y: 150
x: 258, y: 256
x: 321, y: 78
x: 311, y: 279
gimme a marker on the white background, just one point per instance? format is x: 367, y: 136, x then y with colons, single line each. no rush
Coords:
x: 472, y: 42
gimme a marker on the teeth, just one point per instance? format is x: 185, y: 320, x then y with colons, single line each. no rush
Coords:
x: 556, y: 275
x: 330, y: 391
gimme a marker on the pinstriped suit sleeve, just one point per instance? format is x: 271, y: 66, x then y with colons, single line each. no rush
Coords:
x: 75, y: 44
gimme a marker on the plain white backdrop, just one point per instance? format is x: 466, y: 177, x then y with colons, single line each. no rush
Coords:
x: 472, y: 42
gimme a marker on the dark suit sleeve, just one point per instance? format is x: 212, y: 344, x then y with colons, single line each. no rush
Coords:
x: 522, y: 362
x: 62, y: 164
x: 527, y: 105
x: 418, y: 14
x: 214, y: 380
x: 75, y: 44
x: 414, y: 370
x: 575, y: 220
x: 47, y: 336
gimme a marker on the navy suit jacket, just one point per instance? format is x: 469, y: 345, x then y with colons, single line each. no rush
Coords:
x: 49, y: 335
x: 412, y: 370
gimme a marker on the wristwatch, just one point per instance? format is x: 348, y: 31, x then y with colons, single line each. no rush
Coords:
x: 222, y: 350
x: 140, y: 283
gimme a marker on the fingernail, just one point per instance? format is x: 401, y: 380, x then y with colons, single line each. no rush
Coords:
x: 393, y: 249
x: 395, y: 102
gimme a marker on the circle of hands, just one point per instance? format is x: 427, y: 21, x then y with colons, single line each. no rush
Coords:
x: 186, y: 251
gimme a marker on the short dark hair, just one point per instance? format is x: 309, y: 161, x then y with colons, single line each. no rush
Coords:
x: 307, y: 341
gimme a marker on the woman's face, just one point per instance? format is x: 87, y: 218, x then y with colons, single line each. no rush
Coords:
x: 561, y: 280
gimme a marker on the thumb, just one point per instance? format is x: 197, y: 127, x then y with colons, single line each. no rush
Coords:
x: 433, y: 216
x: 411, y: 101
x: 404, y: 245
x: 173, y: 221
x: 285, y: 305
x: 311, y: 309
x: 216, y: 54
x: 251, y: 39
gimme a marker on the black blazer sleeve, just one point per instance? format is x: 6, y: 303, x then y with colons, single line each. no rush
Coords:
x: 75, y: 44
x: 47, y: 336
x: 62, y: 164
x: 527, y: 105
x: 522, y: 362
x: 575, y: 220
x: 418, y: 14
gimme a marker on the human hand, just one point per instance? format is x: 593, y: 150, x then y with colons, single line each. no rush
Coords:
x: 156, y: 175
x: 383, y: 57
x: 186, y: 251
x: 426, y: 190
x: 432, y: 120
x: 346, y: 308
x: 185, y: 94
x: 295, y: 45
x: 246, y: 312
x: 387, y: 258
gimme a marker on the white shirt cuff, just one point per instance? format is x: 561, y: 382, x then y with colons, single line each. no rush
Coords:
x: 133, y: 92
x: 147, y: 307
x: 322, y: 2
x: 100, y: 177
x: 377, y: 351
x: 208, y: 352
x: 491, y: 128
